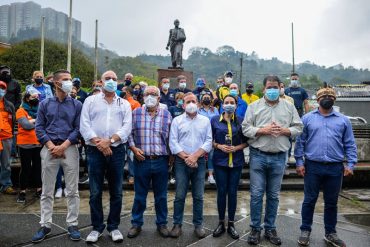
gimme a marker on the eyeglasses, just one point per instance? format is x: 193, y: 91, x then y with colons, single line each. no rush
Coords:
x: 110, y: 78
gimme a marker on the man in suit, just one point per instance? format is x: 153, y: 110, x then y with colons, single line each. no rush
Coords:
x: 175, y: 42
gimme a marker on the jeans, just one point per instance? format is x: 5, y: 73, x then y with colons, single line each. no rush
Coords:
x: 30, y: 174
x: 49, y: 170
x: 210, y: 161
x: 5, y: 171
x: 130, y: 164
x: 184, y: 174
x: 266, y: 174
x: 150, y: 172
x: 330, y: 177
x: 227, y: 181
x: 112, y: 167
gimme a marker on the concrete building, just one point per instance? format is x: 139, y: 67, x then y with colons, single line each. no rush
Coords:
x: 4, y: 21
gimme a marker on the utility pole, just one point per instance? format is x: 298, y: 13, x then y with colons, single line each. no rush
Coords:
x: 293, y: 68
x: 96, y: 52
x: 69, y: 37
x: 42, y: 44
x: 241, y: 72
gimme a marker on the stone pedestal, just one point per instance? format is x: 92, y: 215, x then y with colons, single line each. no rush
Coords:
x: 172, y: 74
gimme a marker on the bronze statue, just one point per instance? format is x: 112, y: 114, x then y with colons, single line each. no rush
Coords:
x: 175, y: 42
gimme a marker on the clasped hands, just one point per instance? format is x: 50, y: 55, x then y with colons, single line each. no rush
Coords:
x: 190, y: 159
x: 275, y: 130
x: 103, y: 145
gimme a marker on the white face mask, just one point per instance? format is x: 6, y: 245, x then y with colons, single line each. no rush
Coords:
x: 191, y: 108
x: 182, y: 85
x: 150, y: 101
x: 228, y: 80
x: 282, y: 91
x: 166, y: 86
x: 67, y: 86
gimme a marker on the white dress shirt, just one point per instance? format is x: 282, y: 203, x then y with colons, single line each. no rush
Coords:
x: 189, y: 134
x: 101, y: 119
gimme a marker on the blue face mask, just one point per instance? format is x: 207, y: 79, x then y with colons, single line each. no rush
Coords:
x: 234, y: 92
x: 136, y: 92
x: 180, y: 102
x: 229, y: 108
x: 110, y: 86
x: 2, y: 92
x: 272, y: 94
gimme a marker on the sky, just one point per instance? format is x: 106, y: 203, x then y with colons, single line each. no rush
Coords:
x: 326, y: 32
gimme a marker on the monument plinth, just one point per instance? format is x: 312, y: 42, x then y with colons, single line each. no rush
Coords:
x: 172, y: 74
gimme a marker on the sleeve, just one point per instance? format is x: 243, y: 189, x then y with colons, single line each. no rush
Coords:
x: 350, y: 147
x: 18, y: 96
x: 75, y: 134
x: 169, y: 38
x: 300, y: 144
x: 40, y: 126
x: 25, y: 124
x: 126, y: 127
x: 131, y: 140
x: 249, y: 130
x: 174, y: 137
x: 207, y: 145
x: 85, y: 122
x: 296, y: 125
x: 304, y: 94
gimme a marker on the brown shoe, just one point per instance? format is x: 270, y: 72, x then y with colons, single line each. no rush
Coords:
x: 134, y: 232
x: 9, y: 191
x: 199, y: 231
x: 176, y: 231
x: 163, y: 231
x: 131, y: 180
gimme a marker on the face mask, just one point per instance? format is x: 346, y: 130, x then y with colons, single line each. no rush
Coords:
x: 67, y: 86
x: 127, y: 83
x: 327, y: 103
x: 191, y: 108
x: 200, y: 85
x: 228, y: 80
x: 136, y: 92
x: 249, y: 91
x: 234, y: 92
x: 206, y: 102
x: 166, y: 86
x: 272, y: 94
x: 182, y: 85
x: 150, y: 101
x: 180, y: 102
x: 2, y: 92
x: 34, y: 102
x: 39, y: 81
x: 5, y: 77
x: 110, y: 86
x: 282, y: 91
x: 229, y: 108
x: 294, y: 83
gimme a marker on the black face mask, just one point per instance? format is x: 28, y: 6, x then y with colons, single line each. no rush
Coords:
x: 327, y: 103
x: 206, y: 102
x: 249, y: 90
x: 123, y: 95
x: 5, y: 77
x: 34, y: 102
x: 127, y: 83
x: 39, y: 81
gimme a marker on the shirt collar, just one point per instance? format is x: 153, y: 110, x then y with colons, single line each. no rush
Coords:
x: 156, y: 112
x: 333, y: 112
x: 222, y: 117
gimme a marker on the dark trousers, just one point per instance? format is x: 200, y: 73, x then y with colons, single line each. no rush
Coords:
x: 30, y: 174
x: 330, y: 177
x: 227, y: 181
x: 112, y: 166
x: 148, y: 172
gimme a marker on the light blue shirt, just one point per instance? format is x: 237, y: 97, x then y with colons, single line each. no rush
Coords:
x: 190, y: 134
x: 210, y: 113
x: 326, y: 139
x: 44, y: 90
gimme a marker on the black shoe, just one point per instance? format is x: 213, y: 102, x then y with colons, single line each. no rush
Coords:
x: 333, y: 240
x: 304, y: 239
x: 21, y: 197
x: 163, y: 231
x: 37, y: 194
x: 219, y: 230
x: 232, y: 231
x: 272, y: 236
x: 199, y: 232
x: 134, y: 232
x: 254, y: 237
x: 176, y: 231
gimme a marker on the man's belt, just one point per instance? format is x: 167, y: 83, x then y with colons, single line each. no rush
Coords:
x: 58, y: 142
x: 267, y: 153
x: 153, y: 157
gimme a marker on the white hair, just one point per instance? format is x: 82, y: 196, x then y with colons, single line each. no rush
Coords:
x: 105, y: 73
x: 143, y: 84
x: 152, y: 87
x: 129, y: 74
x: 234, y: 84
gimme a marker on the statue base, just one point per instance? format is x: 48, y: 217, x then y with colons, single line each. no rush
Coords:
x: 172, y: 74
x: 180, y: 68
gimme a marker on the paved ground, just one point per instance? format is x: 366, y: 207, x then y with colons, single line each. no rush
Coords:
x: 19, y: 222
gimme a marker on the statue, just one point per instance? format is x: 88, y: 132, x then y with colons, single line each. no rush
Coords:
x: 175, y: 42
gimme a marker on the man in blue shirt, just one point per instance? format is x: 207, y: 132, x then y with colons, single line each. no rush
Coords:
x: 167, y: 94
x: 299, y: 95
x: 57, y: 128
x: 327, y: 140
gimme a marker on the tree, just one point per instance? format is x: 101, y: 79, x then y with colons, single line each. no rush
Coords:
x: 24, y: 58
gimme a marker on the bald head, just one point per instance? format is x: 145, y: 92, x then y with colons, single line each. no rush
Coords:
x: 106, y: 76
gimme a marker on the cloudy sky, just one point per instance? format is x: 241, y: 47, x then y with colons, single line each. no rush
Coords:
x: 327, y: 32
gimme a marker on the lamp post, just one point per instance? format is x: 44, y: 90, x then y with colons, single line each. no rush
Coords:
x: 69, y: 37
